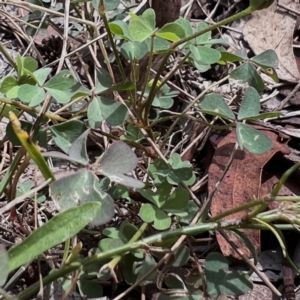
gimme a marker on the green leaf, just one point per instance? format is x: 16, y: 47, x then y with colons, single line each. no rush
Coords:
x: 163, y: 99
x: 205, y: 55
x: 186, y: 25
x: 247, y: 73
x: 268, y: 58
x: 120, y: 28
x: 201, y: 67
x: 61, y: 86
x: 138, y: 31
x: 31, y: 94
x: 171, y: 31
x: 181, y: 169
x: 203, y: 38
x: 231, y: 57
x: 148, y: 18
x: 13, y: 92
x: 268, y: 61
x: 66, y: 133
x: 57, y: 230
x: 4, y: 266
x: 215, y: 105
x: 128, y: 230
x: 104, y: 244
x: 182, y: 255
x: 177, y: 201
x: 125, y: 180
x: 79, y: 188
x: 118, y: 191
x: 208, y: 55
x: 104, y: 81
x: 148, y: 264
x: 90, y: 289
x: 188, y: 213
x: 160, y: 171
x: 220, y: 281
x: 134, y: 50
x: 116, y: 161
x: 253, y: 140
x: 160, y: 197
x: 78, y: 149
x: 149, y: 213
x: 112, y: 233
x: 113, y: 112
x: 8, y: 83
x: 141, y: 28
x: 133, y: 133
x: 250, y: 105
x: 29, y: 63
x: 78, y: 91
x: 160, y: 45
x: 127, y: 268
x: 41, y: 75
x: 194, y: 52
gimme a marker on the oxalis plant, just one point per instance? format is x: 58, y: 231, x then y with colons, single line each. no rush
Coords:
x: 83, y: 198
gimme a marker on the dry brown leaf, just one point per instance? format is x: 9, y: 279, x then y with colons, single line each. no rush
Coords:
x: 273, y: 28
x: 239, y: 185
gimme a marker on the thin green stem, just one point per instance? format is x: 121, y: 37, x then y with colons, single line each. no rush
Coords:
x: 284, y: 178
x: 66, y: 251
x: 262, y: 227
x: 147, y: 104
x: 112, y: 42
x: 287, y: 198
x: 148, y: 69
x: 236, y: 210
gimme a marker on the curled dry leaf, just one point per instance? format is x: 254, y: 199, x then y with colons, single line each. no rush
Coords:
x: 239, y: 185
x: 273, y: 28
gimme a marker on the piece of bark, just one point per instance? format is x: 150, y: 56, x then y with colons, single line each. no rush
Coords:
x: 239, y: 185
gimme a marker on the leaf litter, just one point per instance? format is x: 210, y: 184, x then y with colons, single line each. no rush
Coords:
x: 239, y: 185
